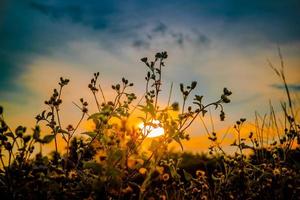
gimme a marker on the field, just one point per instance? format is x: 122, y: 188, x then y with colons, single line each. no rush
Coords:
x: 111, y: 161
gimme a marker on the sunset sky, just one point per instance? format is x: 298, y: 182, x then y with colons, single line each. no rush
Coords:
x: 217, y: 43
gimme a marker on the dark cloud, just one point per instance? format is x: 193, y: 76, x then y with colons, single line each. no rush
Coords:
x: 292, y: 87
x: 178, y: 37
x: 203, y: 39
x: 74, y: 12
x: 94, y: 13
x: 141, y: 44
x: 160, y: 28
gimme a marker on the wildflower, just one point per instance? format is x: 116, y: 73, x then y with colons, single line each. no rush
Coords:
x: 194, y: 84
x: 127, y: 190
x: 140, y: 161
x: 160, y: 170
x: 73, y: 174
x: 205, y: 187
x: 200, y: 173
x: 227, y: 92
x: 144, y: 59
x: 195, y: 190
x: 204, y: 197
x: 134, y: 163
x: 284, y: 169
x: 225, y: 99
x: 142, y: 170
x: 175, y: 106
x: 70, y: 128
x: 276, y: 171
x: 165, y: 177
x: 131, y: 163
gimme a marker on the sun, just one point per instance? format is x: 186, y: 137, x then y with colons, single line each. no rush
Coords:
x: 151, y: 131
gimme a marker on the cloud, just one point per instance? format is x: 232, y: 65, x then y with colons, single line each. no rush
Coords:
x: 93, y: 14
x: 160, y: 28
x: 164, y: 34
x: 292, y: 87
x: 139, y: 43
x: 72, y: 11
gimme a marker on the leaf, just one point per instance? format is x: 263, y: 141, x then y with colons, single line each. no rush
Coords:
x: 48, y: 138
x: 90, y: 134
x: 36, y: 132
x: 177, y: 139
x: 149, y: 108
x: 187, y: 175
x: 9, y: 134
x: 174, y: 173
x: 63, y: 131
x: 20, y: 130
x: 215, y: 178
x: 197, y: 103
x: 43, y: 114
x: 198, y: 98
x: 154, y: 145
x: 96, y: 167
x: 49, y: 114
x: 95, y: 116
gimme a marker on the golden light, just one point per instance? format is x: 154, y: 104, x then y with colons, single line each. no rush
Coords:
x: 151, y: 131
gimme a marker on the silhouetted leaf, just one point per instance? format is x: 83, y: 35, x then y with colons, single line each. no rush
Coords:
x: 48, y: 138
x: 177, y: 139
x: 187, y: 175
x: 90, y: 134
x: 36, y: 133
x: 9, y: 134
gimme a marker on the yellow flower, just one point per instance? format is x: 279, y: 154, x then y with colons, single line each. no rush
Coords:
x: 276, y: 171
x: 134, y: 163
x: 127, y: 190
x: 131, y: 163
x: 140, y: 161
x: 160, y: 170
x: 142, y: 170
x: 204, y: 197
x: 200, y: 173
x: 72, y: 174
x: 165, y: 177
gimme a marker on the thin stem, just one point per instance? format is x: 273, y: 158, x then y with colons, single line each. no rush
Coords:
x: 158, y: 84
x: 189, y: 124
x: 79, y: 122
x: 59, y: 123
x: 79, y: 108
x: 96, y: 100
x: 170, y: 94
x: 102, y: 93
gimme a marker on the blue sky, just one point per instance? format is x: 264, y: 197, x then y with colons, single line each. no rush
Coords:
x: 217, y: 43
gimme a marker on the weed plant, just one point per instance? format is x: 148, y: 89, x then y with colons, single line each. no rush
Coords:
x: 110, y: 163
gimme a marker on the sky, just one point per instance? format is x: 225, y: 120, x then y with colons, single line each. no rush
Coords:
x: 223, y: 43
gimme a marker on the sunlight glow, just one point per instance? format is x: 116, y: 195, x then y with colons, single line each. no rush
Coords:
x: 151, y: 131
